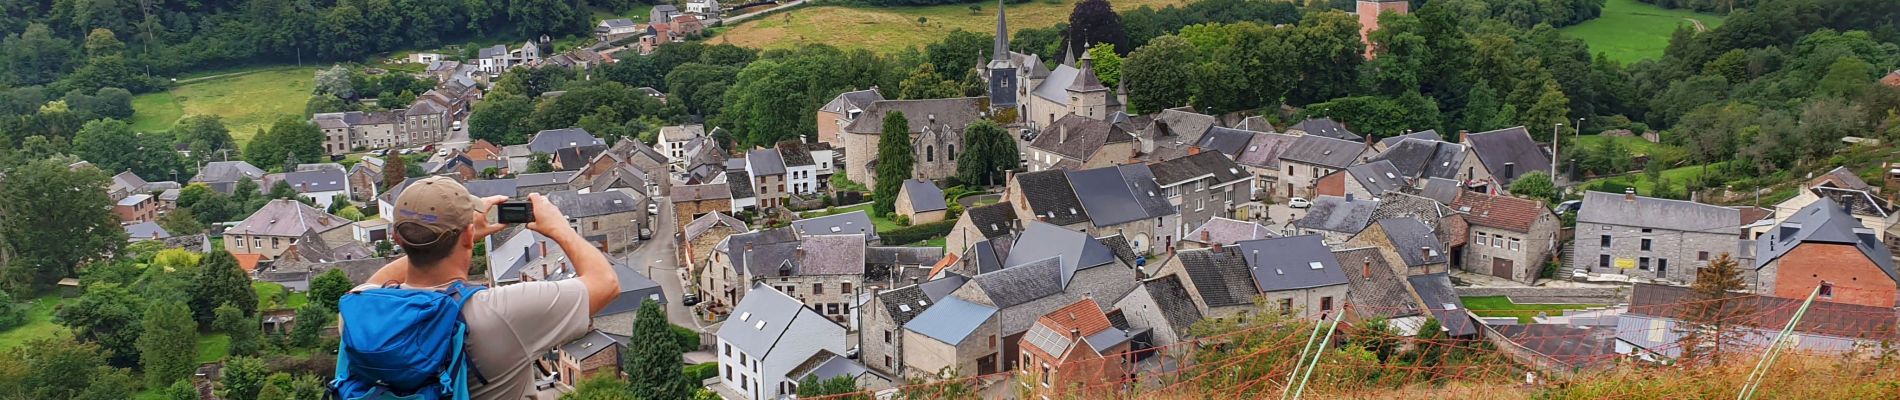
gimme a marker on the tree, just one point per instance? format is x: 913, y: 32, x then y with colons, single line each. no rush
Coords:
x: 35, y: 56
x: 1535, y: 185
x: 502, y: 120
x: 180, y: 390
x: 1107, y: 63
x: 839, y: 387
x: 109, y: 315
x: 654, y: 370
x: 55, y: 219
x: 925, y: 83
x: 169, y: 347
x: 540, y: 162
x: 394, y: 172
x: 288, y: 137
x: 336, y: 81
x: 310, y: 322
x: 1158, y: 75
x: 894, y: 161
x: 243, y: 329
x: 1715, y: 311
x: 326, y: 289
x: 180, y: 222
x: 1095, y: 22
x: 243, y: 378
x: 109, y: 384
x: 12, y: 314
x: 604, y: 387
x: 1848, y: 75
x: 988, y: 150
x: 58, y: 368
x: 220, y: 281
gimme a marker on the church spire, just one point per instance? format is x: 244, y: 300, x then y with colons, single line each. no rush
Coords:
x: 1002, y: 33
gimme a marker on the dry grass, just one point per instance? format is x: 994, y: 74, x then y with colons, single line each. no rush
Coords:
x: 887, y: 29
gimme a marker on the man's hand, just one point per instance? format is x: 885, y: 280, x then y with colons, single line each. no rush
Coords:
x: 548, y: 219
x: 481, y: 227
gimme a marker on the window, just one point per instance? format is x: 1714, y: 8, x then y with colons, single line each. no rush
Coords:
x: 1289, y: 170
x: 728, y: 372
x: 1645, y: 230
x: 1045, y: 375
x: 1642, y: 263
x: 1514, y: 244
x: 1827, y: 290
x: 1603, y: 261
x: 742, y: 362
x: 1497, y: 241
x: 1286, y: 306
x: 992, y: 341
x: 597, y: 225
x: 930, y: 153
x: 844, y: 287
x: 1604, y: 242
x: 1701, y: 256
x: 887, y: 336
x: 817, y: 288
x: 728, y: 348
x: 1646, y: 242
x: 1326, y: 303
x: 951, y: 152
x: 274, y: 242
x: 887, y: 361
x: 745, y: 384
x: 1662, y: 264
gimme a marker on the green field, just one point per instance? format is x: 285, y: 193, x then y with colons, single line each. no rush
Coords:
x: 267, y: 292
x: 248, y: 100
x: 1629, y: 31
x: 1500, y: 306
x: 882, y: 224
x: 887, y: 29
x: 39, y: 323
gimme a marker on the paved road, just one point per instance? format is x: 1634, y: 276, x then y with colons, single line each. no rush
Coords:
x: 660, y: 261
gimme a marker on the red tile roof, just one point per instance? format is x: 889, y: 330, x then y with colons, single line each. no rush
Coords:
x: 1496, y: 211
x: 247, y: 261
x: 1084, y: 315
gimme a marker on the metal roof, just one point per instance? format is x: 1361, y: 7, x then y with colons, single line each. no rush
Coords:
x: 950, y: 320
x: 924, y: 196
x: 764, y: 318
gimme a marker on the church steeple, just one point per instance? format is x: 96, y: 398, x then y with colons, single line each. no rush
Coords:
x: 1002, y: 34
x: 1002, y: 68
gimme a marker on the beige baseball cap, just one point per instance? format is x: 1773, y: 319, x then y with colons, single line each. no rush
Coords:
x: 433, y: 209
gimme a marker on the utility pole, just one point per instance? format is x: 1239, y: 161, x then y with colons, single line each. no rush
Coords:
x: 1554, y: 139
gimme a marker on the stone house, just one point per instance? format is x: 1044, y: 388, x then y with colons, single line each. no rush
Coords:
x: 1638, y: 236
x: 1261, y: 157
x: 1499, y: 157
x: 136, y: 208
x: 1378, y: 293
x: 366, y: 179
x: 1162, y: 307
x: 1047, y: 268
x: 692, y: 201
x: 1310, y: 157
x: 1047, y: 197
x: 952, y: 338
x: 1126, y: 201
x: 824, y: 272
x: 1407, y: 240
x: 610, y: 220
x: 766, y: 170
x: 223, y: 176
x: 936, y: 125
x: 673, y: 139
x: 1295, y: 275
x: 1511, y: 238
x: 1369, y: 11
x: 1336, y: 219
x: 594, y: 354
x: 841, y: 110
x: 1203, y: 186
x: 278, y: 226
x: 424, y: 121
x: 705, y: 233
x: 768, y: 337
x: 882, y: 334
x: 1078, y: 142
x: 1075, y: 347
x: 982, y: 223
x: 1362, y: 181
x: 921, y: 202
x: 1825, y: 238
x: 1420, y: 159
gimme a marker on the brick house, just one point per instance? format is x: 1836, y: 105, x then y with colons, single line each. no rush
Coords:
x: 1825, y: 239
x: 692, y: 201
x: 1639, y: 236
x: 594, y: 354
x: 1511, y: 238
x: 1075, y: 347
x: 136, y: 208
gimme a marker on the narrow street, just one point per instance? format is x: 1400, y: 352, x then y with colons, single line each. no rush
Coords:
x: 657, y: 258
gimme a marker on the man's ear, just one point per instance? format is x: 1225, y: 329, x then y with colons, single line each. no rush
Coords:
x: 468, y: 236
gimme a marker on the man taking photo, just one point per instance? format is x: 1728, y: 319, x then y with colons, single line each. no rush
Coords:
x: 438, y: 224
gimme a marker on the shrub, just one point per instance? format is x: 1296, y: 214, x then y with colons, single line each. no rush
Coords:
x: 689, y: 340
x: 702, y: 371
x: 917, y: 233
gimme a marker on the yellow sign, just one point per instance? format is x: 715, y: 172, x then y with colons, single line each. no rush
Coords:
x: 1626, y: 263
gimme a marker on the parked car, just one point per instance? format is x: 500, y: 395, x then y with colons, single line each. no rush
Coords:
x: 653, y: 209
x: 457, y: 126
x: 1569, y: 207
x: 690, y: 299
x: 1299, y: 202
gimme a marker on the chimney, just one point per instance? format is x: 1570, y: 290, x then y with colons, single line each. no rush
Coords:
x: 1062, y: 133
x: 1367, y: 271
x: 1192, y: 150
x: 1629, y: 194
x: 1462, y: 135
x: 1369, y: 140
x: 799, y: 253
x: 1141, y: 272
x: 1217, y: 247
x: 1349, y: 197
x: 1256, y: 258
x: 1075, y: 334
x: 1204, y: 236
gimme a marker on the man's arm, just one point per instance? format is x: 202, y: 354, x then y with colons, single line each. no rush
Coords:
x: 590, y: 266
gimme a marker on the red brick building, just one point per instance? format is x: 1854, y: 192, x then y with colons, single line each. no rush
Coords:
x: 1075, y: 345
x: 1823, y: 246
x: 1369, y: 11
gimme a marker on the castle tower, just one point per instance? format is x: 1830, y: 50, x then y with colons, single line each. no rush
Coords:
x: 1002, y: 71
x: 1087, y: 96
x: 1369, y: 11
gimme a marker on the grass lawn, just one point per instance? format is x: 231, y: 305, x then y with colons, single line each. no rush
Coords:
x: 213, y: 347
x: 1629, y: 31
x: 883, y: 224
x: 39, y: 323
x: 1500, y: 306
x: 267, y: 292
x: 247, y: 102
x: 1677, y: 177
x: 887, y: 29
x: 1635, y: 144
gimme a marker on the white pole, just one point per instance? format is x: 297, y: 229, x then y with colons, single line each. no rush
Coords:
x: 1774, y: 349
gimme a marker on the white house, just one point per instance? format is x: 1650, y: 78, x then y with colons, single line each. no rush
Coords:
x: 768, y: 336
x: 673, y: 141
x: 710, y: 7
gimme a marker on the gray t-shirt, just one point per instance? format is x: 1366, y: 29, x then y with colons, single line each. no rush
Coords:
x: 511, y: 326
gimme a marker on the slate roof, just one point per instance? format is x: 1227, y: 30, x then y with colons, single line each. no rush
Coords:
x: 1206, y: 164
x: 836, y: 224
x: 1442, y: 189
x: 954, y: 112
x: 1651, y: 212
x: 770, y: 247
x: 987, y: 255
x: 1289, y: 263
x: 1326, y: 127
x: 1228, y: 231
x: 1171, y: 297
x: 710, y: 191
x: 570, y: 155
x: 1118, y: 245
x: 904, y: 303
x: 1022, y: 283
x: 635, y: 289
x: 227, y: 171
x: 950, y: 320
x: 1428, y: 135
x: 1859, y: 202
x: 1119, y: 194
x: 578, y: 205
x: 552, y: 140
x: 737, y: 187
x: 794, y: 153
x: 1375, y: 291
x: 1078, y: 137
x: 1073, y: 250
x: 1839, y: 177
x: 1228, y: 141
x: 847, y: 101
x: 1221, y: 277
x: 1414, y: 242
x: 924, y: 196
x: 1182, y: 125
x: 1508, y: 146
x: 1335, y: 214
x: 825, y: 365
x: 776, y: 311
x: 993, y: 220
x: 146, y: 230
x: 286, y: 218
x: 1323, y: 151
x: 1425, y: 159
x: 1263, y: 150
x: 1443, y: 302
x: 493, y: 187
x: 763, y: 162
x: 1503, y: 212
x: 589, y: 345
x: 618, y: 23
x: 1050, y: 197
x: 1055, y: 86
x: 1574, y: 347
x: 713, y: 220
x: 1824, y: 221
x: 831, y: 255
x: 899, y: 255
x: 1256, y: 123
x: 1378, y: 177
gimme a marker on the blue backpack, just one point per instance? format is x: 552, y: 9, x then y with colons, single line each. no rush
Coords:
x: 403, y: 344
